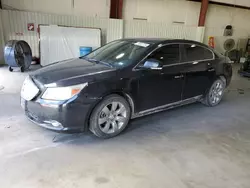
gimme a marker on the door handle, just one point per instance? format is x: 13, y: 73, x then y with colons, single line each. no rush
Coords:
x: 195, y: 62
x: 211, y: 70
x: 179, y: 76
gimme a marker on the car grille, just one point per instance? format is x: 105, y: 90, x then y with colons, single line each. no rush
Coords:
x: 29, y: 89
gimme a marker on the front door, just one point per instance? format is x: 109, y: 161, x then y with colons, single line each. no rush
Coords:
x: 199, y: 72
x: 161, y: 87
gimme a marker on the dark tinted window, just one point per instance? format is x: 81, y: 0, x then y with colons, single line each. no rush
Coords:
x: 119, y: 53
x: 169, y: 54
x: 196, y: 53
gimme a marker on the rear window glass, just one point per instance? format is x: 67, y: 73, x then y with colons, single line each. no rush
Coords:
x: 196, y: 53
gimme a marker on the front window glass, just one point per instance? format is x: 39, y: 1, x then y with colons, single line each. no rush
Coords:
x: 167, y: 55
x: 119, y: 53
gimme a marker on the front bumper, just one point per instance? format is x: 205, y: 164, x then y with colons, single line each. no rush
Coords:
x: 66, y: 116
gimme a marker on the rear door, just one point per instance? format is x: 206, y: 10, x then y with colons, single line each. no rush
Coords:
x: 199, y: 68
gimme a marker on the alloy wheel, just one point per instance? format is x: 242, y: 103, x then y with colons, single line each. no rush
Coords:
x: 216, y: 92
x: 112, y: 117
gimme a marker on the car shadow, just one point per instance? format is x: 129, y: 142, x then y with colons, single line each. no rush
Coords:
x: 181, y: 118
x: 145, y: 126
x: 162, y: 118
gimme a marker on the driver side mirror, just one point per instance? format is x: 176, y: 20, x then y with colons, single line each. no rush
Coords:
x: 152, y: 64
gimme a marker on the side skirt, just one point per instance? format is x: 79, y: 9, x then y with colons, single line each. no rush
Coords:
x: 166, y: 107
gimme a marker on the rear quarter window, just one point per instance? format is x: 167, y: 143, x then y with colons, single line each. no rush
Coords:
x: 193, y: 52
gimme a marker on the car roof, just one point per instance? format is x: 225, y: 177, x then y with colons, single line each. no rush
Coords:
x: 163, y: 41
x: 149, y: 40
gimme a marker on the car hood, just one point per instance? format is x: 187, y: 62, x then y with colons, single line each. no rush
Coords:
x: 72, y: 72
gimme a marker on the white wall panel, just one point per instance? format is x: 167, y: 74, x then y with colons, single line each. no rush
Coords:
x: 115, y: 30
x: 170, y: 11
x: 158, y: 30
x: 15, y: 26
x: 167, y: 11
x: 218, y: 17
x: 220, y: 39
x: 60, y: 43
x: 91, y: 8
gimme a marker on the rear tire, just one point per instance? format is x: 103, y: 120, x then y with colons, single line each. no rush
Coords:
x: 215, y: 93
x: 110, y: 117
x: 10, y: 69
x: 22, y: 69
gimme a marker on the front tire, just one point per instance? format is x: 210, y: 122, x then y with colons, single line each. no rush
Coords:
x: 110, y: 117
x: 215, y: 93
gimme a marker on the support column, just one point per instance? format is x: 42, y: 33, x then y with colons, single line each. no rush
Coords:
x: 116, y: 7
x: 203, y: 13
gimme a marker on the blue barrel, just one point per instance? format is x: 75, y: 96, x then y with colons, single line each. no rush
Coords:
x: 18, y: 54
x: 85, y: 50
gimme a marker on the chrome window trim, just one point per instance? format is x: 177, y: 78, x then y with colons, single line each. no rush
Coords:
x: 181, y: 63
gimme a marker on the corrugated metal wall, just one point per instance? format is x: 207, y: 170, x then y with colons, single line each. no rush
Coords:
x: 15, y: 26
x: 160, y: 30
x: 115, y: 29
x: 238, y: 33
x: 1, y: 39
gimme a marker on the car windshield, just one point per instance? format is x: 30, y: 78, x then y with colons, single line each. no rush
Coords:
x: 118, y: 53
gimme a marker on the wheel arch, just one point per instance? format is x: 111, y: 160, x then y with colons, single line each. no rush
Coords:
x: 219, y: 76
x: 223, y: 78
x: 123, y: 94
x: 224, y: 71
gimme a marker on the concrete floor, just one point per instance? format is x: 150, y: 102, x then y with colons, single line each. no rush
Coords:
x: 188, y: 147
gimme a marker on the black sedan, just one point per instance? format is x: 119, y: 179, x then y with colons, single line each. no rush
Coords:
x: 122, y: 80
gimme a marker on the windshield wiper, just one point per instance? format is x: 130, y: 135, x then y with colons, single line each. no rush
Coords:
x: 89, y: 59
x: 93, y: 60
x: 97, y: 61
x: 105, y: 63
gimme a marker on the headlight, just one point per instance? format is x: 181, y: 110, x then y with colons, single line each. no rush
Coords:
x: 63, y: 93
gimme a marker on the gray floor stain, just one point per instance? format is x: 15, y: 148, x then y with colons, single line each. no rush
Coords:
x: 101, y: 180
